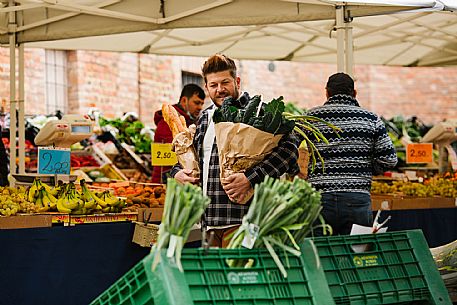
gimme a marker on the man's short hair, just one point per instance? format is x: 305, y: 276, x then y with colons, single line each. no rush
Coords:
x: 218, y: 63
x: 190, y: 89
x: 340, y: 83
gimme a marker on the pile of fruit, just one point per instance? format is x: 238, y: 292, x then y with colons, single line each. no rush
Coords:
x: 14, y: 200
x: 65, y: 198
x: 147, y: 197
x: 83, y: 161
x: 443, y: 186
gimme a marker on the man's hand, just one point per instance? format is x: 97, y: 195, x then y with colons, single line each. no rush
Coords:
x: 236, y: 186
x: 185, y: 175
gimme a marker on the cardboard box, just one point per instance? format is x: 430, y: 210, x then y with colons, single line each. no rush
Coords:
x: 156, y: 214
x: 25, y: 221
x: 381, y: 202
x: 414, y: 203
x: 145, y: 235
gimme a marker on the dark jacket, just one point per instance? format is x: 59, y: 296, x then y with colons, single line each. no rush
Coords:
x: 163, y: 135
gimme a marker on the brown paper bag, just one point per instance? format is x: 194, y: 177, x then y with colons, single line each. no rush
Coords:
x: 185, y: 152
x: 240, y: 147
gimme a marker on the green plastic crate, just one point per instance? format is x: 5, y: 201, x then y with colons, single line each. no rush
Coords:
x: 208, y: 280
x: 395, y: 268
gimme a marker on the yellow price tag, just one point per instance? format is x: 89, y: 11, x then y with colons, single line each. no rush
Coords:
x: 161, y: 154
x: 419, y: 153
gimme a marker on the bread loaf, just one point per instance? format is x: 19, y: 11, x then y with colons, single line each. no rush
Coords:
x: 173, y: 119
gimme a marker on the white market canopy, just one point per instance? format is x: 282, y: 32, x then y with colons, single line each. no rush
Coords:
x: 407, y: 39
x: 157, y: 26
x: 44, y: 20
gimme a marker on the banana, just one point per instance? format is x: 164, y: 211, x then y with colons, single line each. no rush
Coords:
x: 50, y: 190
x: 106, y: 209
x: 32, y: 191
x: 99, y: 201
x: 91, y: 200
x: 79, y: 211
x: 60, y: 206
x: 110, y: 199
x: 39, y: 201
x: 69, y: 202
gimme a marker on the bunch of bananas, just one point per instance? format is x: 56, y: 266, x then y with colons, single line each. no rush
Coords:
x: 104, y: 201
x: 66, y: 199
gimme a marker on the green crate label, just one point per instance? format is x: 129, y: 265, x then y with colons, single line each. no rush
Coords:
x: 243, y: 277
x: 366, y: 260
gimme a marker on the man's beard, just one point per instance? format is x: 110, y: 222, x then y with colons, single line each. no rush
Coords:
x: 236, y: 95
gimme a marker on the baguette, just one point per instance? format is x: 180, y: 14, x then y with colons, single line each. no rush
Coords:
x: 173, y: 119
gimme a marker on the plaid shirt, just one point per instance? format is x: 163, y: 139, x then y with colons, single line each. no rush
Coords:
x: 221, y: 210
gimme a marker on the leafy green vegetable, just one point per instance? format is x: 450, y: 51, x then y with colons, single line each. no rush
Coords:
x: 268, y: 118
x: 292, y: 109
x: 129, y: 133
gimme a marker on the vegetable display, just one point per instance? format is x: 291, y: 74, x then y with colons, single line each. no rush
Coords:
x: 281, y: 214
x: 184, y: 206
x: 131, y: 133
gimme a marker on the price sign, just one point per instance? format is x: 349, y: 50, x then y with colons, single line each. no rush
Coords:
x: 161, y: 154
x: 419, y: 153
x: 53, y: 160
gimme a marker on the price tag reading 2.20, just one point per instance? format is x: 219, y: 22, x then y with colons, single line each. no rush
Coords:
x: 161, y: 154
x: 53, y: 160
x: 419, y: 153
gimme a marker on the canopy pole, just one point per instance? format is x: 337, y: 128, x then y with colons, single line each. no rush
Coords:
x: 340, y: 37
x: 21, y: 118
x: 13, y: 120
x: 349, y: 46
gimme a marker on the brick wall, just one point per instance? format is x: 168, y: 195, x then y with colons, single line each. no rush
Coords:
x: 34, y: 76
x: 159, y: 82
x: 122, y: 82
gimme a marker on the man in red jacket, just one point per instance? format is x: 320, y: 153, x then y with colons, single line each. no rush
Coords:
x: 190, y: 104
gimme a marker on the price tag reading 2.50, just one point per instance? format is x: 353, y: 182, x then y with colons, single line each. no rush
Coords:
x: 53, y: 160
x: 419, y: 153
x: 161, y: 154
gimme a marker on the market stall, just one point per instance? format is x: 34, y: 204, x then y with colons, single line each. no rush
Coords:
x: 144, y: 195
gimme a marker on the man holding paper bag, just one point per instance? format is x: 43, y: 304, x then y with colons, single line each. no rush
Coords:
x: 225, y: 211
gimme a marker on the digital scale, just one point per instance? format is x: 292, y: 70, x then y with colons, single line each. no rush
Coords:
x: 442, y: 134
x: 63, y: 133
x: 57, y: 134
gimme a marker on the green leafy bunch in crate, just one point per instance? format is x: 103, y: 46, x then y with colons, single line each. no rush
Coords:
x: 281, y: 215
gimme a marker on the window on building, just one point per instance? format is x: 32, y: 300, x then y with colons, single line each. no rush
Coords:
x: 56, y: 81
x: 191, y: 78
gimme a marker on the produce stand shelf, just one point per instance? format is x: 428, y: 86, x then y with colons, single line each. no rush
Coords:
x: 48, y: 219
x: 398, y: 202
x: 96, y: 218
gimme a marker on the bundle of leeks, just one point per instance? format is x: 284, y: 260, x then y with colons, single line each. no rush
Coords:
x: 184, y: 206
x: 281, y: 215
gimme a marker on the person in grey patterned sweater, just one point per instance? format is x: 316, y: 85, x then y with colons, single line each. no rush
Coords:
x: 362, y: 149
